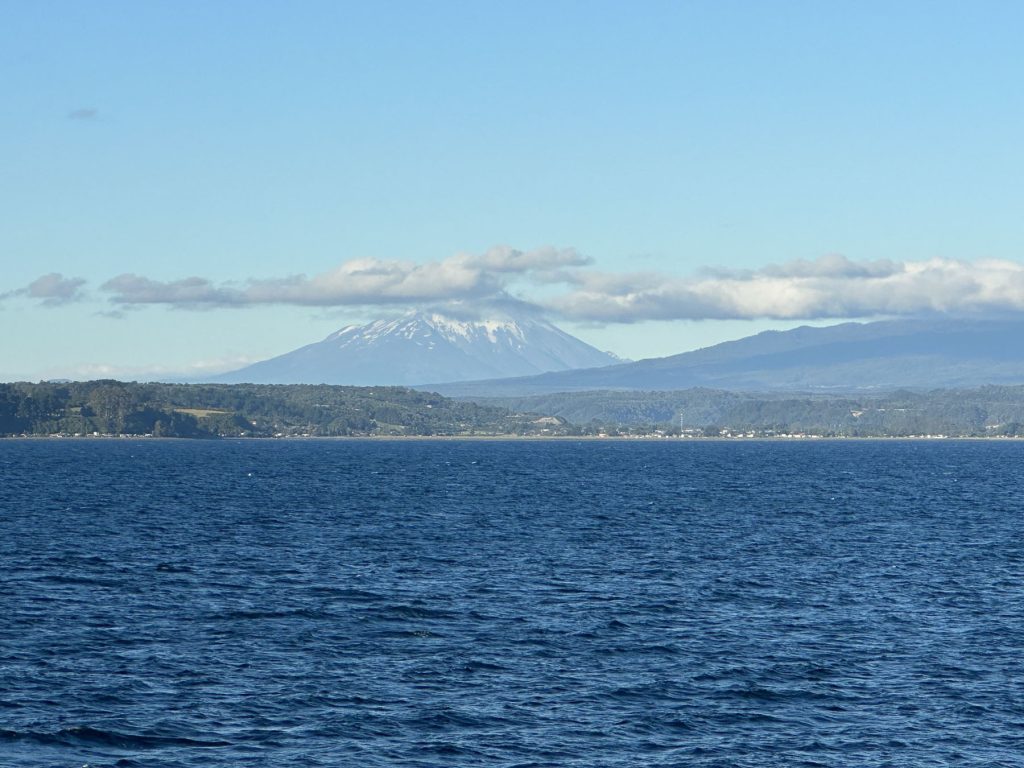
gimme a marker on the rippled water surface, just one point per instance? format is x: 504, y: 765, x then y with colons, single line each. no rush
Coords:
x: 342, y: 603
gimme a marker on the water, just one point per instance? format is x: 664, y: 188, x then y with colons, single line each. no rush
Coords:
x: 511, y: 604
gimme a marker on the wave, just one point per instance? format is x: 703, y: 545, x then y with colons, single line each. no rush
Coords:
x: 84, y: 734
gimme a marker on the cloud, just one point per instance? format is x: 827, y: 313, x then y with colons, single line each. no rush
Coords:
x: 833, y: 265
x: 510, y: 260
x: 829, y: 287
x: 358, y: 282
x: 52, y: 290
x: 192, y: 292
x: 829, y: 265
x: 83, y: 113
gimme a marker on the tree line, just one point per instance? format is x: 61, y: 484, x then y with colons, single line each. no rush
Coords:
x: 244, y: 410
x: 976, y: 412
x: 111, y: 407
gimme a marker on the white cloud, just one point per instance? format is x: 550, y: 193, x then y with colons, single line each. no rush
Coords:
x: 830, y: 287
x: 365, y: 282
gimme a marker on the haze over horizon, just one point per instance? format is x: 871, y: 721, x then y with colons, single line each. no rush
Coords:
x: 190, y: 189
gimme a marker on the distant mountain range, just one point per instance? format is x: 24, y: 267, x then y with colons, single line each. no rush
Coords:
x: 426, y: 348
x: 849, y: 357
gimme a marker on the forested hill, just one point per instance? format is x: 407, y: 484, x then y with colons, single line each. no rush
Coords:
x: 247, y: 410
x: 267, y: 410
x: 978, y: 412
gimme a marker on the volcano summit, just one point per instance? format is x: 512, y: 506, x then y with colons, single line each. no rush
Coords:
x: 424, y: 348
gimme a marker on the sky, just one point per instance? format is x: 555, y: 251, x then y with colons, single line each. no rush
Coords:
x: 186, y: 187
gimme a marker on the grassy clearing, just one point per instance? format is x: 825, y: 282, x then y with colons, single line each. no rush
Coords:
x: 200, y: 413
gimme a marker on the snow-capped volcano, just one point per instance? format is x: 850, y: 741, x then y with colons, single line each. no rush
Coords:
x: 427, y: 348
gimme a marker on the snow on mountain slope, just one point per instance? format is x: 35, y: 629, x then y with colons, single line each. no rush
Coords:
x: 424, y: 348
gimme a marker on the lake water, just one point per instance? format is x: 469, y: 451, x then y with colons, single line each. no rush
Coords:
x: 362, y: 603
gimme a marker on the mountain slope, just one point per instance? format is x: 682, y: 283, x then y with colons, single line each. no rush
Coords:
x: 424, y: 348
x: 847, y: 357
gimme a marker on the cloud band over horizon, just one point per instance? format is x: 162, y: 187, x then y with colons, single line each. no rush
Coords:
x: 830, y: 287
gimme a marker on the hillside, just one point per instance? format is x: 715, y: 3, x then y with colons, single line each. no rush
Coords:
x: 985, y: 411
x: 246, y: 410
x: 243, y: 410
x: 850, y: 357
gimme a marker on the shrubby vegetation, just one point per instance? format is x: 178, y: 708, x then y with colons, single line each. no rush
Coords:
x: 984, y: 411
x: 266, y: 410
x: 246, y: 410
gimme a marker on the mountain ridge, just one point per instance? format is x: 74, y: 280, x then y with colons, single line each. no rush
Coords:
x: 937, y: 352
x: 421, y: 348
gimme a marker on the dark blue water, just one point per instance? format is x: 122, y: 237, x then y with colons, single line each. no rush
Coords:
x: 511, y: 604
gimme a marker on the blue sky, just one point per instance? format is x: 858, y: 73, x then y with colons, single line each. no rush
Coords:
x: 670, y: 174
